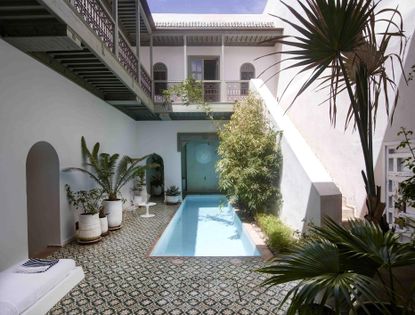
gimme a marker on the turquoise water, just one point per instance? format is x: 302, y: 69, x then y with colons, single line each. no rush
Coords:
x: 205, y: 226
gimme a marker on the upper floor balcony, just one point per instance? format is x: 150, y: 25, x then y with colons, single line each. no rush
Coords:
x: 113, y: 49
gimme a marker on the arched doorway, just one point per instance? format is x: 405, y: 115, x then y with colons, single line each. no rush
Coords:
x: 155, y: 176
x: 42, y: 189
x: 247, y: 73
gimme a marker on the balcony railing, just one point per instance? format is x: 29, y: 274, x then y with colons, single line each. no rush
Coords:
x: 102, y: 23
x: 235, y: 91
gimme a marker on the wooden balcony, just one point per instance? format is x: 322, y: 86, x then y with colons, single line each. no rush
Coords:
x: 85, y: 41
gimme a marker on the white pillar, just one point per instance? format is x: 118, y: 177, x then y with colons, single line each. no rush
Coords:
x: 138, y: 40
x: 184, y: 57
x: 223, y: 91
x: 115, y: 30
x: 151, y: 65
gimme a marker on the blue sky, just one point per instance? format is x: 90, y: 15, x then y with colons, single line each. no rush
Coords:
x: 206, y: 6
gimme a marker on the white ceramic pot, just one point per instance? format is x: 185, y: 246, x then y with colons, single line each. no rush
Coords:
x: 104, y: 225
x: 89, y: 227
x: 172, y: 199
x: 113, y: 210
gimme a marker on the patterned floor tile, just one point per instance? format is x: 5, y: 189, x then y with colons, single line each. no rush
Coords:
x: 120, y: 277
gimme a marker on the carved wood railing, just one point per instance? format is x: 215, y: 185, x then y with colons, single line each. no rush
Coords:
x: 127, y: 58
x: 145, y: 81
x: 97, y: 18
x: 102, y: 23
x: 236, y: 90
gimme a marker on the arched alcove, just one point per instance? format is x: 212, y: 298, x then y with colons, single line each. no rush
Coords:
x: 42, y: 189
x: 155, y: 176
x: 247, y: 72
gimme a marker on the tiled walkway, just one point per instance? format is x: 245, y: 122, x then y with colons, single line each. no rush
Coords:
x: 121, y: 279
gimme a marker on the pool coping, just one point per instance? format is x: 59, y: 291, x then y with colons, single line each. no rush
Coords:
x: 250, y: 228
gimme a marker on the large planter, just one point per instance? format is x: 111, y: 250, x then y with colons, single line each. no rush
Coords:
x: 172, y: 199
x: 113, y: 210
x: 156, y: 190
x: 89, y: 228
x: 104, y: 226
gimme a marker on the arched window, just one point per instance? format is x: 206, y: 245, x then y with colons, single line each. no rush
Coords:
x: 160, y: 80
x: 247, y: 73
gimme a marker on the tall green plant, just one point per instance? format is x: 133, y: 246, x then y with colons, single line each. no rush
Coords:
x: 339, y: 42
x: 106, y: 171
x: 249, y: 157
x: 337, y: 267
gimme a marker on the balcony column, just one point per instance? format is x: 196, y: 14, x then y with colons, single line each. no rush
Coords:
x: 222, y: 71
x: 151, y: 65
x: 138, y: 40
x: 115, y: 30
x: 184, y: 57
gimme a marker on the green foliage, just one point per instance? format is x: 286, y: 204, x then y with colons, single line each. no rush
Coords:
x: 249, y: 158
x: 279, y: 236
x: 191, y: 92
x: 106, y: 172
x: 406, y: 191
x: 88, y: 201
x: 173, y: 191
x: 139, y: 180
x: 336, y: 267
x: 339, y: 44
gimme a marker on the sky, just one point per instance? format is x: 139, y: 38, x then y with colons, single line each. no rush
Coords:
x: 207, y: 6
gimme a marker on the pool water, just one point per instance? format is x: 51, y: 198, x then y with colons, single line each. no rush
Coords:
x: 205, y: 226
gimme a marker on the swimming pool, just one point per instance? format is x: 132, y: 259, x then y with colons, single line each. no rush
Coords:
x: 205, y: 226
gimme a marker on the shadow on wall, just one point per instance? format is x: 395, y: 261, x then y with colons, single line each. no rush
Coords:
x: 403, y: 117
x: 324, y: 200
x: 42, y: 189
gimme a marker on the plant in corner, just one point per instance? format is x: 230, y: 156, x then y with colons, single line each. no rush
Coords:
x: 340, y: 270
x: 346, y: 44
x: 111, y: 176
x: 89, y: 202
x: 139, y: 187
x: 249, y: 159
x: 172, y: 195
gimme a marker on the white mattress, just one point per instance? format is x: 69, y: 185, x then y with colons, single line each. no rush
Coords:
x: 18, y: 291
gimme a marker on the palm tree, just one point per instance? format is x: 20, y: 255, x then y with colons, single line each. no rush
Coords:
x: 338, y: 43
x: 338, y: 267
x: 107, y: 172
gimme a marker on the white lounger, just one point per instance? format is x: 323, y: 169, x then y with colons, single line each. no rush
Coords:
x: 37, y: 293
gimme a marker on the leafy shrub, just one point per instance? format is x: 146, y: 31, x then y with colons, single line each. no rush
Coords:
x: 279, y: 236
x: 249, y: 158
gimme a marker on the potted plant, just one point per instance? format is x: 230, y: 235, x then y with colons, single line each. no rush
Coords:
x: 111, y: 175
x: 89, y: 202
x: 139, y: 188
x: 172, y: 195
x: 156, y: 185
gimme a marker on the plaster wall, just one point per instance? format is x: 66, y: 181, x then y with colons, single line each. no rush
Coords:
x: 340, y: 150
x: 173, y: 58
x: 38, y: 104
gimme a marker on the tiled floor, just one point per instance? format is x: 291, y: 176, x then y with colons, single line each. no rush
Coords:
x: 121, y: 279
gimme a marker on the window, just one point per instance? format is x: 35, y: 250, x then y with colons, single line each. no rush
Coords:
x: 206, y: 68
x: 247, y: 73
x: 160, y: 78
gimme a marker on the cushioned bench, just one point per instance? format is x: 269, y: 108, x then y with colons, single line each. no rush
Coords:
x: 37, y: 293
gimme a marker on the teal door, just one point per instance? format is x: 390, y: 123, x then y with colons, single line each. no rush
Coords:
x: 201, y: 158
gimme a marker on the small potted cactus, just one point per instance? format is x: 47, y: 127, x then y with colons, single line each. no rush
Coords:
x: 172, y: 195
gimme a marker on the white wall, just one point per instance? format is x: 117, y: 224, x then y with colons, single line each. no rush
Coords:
x: 173, y: 58
x: 308, y: 192
x: 161, y: 138
x: 37, y: 104
x: 340, y: 150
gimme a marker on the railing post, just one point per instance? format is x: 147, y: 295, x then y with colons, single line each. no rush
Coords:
x: 151, y: 65
x: 138, y: 40
x: 222, y: 71
x: 116, y: 34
